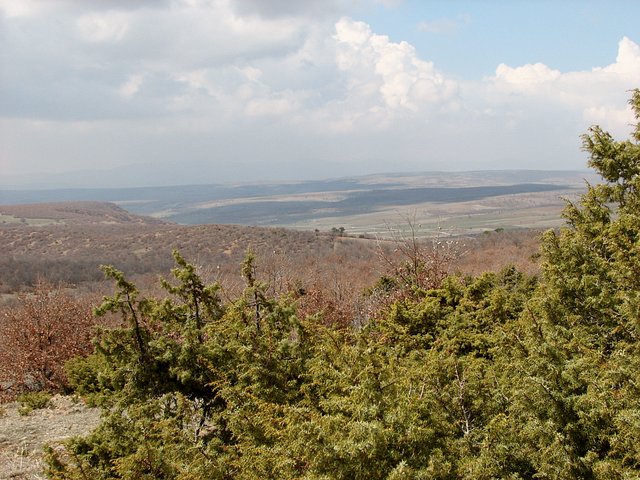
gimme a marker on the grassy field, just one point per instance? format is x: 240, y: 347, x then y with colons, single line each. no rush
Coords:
x: 517, y: 211
x: 458, y: 203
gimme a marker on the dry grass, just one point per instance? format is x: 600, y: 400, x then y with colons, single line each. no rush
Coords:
x: 491, y: 251
x: 22, y: 438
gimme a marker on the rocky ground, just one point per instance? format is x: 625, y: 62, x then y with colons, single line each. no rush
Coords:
x: 22, y: 437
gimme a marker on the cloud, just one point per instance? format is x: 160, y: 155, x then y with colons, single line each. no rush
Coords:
x: 131, y: 86
x: 533, y: 78
x: 222, y: 81
x: 251, y: 73
x: 377, y: 68
x: 232, y: 64
x: 276, y: 106
x: 627, y: 63
x: 527, y: 77
x: 109, y: 27
x: 287, y: 8
x: 54, y: 75
x: 18, y: 8
x: 616, y: 118
x: 595, y: 95
x: 26, y: 8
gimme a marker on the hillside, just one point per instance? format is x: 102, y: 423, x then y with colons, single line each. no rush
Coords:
x: 421, y: 375
x: 68, y: 241
x: 72, y: 213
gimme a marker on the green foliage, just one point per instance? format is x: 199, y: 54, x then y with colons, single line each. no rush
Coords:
x: 31, y: 401
x: 497, y: 376
x: 581, y: 357
x: 184, y: 368
x: 568, y: 365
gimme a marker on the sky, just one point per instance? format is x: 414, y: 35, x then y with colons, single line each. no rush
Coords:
x: 160, y: 92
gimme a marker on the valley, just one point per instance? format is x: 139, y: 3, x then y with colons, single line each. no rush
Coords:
x: 458, y: 202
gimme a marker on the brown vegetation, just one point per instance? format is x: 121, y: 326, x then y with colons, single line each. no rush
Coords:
x: 493, y: 250
x: 38, y: 335
x: 71, y: 251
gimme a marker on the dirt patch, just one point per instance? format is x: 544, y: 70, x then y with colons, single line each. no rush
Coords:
x: 22, y: 438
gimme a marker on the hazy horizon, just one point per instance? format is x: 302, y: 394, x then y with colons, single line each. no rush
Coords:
x: 111, y: 179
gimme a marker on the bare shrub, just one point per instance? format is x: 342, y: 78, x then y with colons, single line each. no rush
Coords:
x: 418, y: 263
x: 38, y: 335
x: 331, y: 295
x: 494, y: 250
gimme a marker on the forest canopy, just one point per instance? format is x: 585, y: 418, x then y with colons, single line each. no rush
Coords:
x: 502, y: 375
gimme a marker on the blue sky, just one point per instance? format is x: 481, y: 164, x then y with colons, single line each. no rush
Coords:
x: 199, y: 91
x: 469, y: 38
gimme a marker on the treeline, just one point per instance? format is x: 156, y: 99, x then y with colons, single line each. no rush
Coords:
x: 72, y: 255
x: 24, y: 274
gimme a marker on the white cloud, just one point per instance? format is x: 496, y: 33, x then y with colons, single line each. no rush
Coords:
x: 196, y: 79
x: 251, y: 73
x: 595, y: 95
x: 103, y: 27
x: 627, y: 63
x: 17, y: 8
x: 235, y: 92
x: 531, y: 78
x: 129, y: 88
x: 376, y: 66
x: 618, y: 118
x: 527, y: 77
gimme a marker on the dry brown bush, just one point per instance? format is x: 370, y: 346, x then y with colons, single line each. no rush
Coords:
x: 414, y: 263
x: 494, y: 250
x: 38, y: 335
